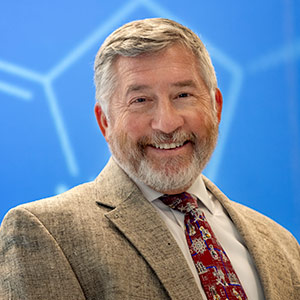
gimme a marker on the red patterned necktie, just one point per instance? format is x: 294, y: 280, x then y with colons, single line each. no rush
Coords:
x: 217, y: 276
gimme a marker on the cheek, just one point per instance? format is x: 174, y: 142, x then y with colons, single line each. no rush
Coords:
x: 201, y: 122
x: 136, y: 127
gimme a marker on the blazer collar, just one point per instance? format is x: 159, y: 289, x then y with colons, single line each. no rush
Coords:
x: 140, y: 223
x: 113, y: 185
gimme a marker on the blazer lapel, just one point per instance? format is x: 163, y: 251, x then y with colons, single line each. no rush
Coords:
x: 140, y: 223
x: 270, y: 260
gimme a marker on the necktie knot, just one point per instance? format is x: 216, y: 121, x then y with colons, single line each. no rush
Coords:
x: 183, y: 202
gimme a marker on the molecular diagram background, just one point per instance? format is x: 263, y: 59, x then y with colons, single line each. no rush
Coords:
x: 50, y: 140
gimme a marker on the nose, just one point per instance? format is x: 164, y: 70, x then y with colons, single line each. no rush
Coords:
x: 166, y: 117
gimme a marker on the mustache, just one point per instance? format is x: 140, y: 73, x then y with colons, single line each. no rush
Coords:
x: 158, y: 137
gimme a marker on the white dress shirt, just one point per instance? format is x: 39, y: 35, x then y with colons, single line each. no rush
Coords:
x: 222, y: 226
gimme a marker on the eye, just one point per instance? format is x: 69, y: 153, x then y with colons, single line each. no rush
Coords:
x: 139, y: 100
x: 183, y: 95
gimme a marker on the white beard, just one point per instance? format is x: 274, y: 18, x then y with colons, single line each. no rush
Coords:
x: 173, y: 174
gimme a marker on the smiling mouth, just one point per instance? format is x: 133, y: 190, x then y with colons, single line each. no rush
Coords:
x: 168, y: 146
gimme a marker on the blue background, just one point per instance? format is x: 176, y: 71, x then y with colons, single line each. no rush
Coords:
x: 50, y: 141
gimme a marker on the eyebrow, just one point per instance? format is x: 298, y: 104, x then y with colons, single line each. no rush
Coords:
x: 137, y: 87
x: 185, y: 83
x: 140, y: 87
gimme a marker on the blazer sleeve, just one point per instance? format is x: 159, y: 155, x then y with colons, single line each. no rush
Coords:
x: 32, y: 265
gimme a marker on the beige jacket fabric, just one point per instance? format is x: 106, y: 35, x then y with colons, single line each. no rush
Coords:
x: 104, y: 240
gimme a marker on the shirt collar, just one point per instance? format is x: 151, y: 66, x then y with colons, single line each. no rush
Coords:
x: 198, y: 189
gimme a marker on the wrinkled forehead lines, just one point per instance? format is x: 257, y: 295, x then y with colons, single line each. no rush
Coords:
x: 138, y: 71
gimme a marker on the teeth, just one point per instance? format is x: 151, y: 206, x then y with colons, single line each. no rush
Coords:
x: 168, y: 146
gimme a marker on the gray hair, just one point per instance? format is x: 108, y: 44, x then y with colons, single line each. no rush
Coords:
x: 146, y: 36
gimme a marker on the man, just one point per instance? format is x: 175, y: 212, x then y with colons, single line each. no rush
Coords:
x: 158, y: 107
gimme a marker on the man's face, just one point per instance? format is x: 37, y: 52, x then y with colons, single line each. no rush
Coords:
x: 161, y: 129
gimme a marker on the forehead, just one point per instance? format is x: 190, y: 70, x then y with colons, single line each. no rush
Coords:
x: 173, y: 63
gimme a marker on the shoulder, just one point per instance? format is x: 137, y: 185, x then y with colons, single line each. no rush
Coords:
x: 80, y: 200
x: 62, y: 205
x: 263, y: 224
x: 252, y: 222
x: 79, y: 209
x: 64, y: 213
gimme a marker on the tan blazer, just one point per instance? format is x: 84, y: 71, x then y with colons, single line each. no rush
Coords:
x: 104, y: 240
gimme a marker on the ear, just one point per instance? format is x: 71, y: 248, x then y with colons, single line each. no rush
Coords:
x: 219, y: 103
x: 101, y: 120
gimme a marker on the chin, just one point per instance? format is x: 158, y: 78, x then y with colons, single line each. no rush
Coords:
x: 166, y: 178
